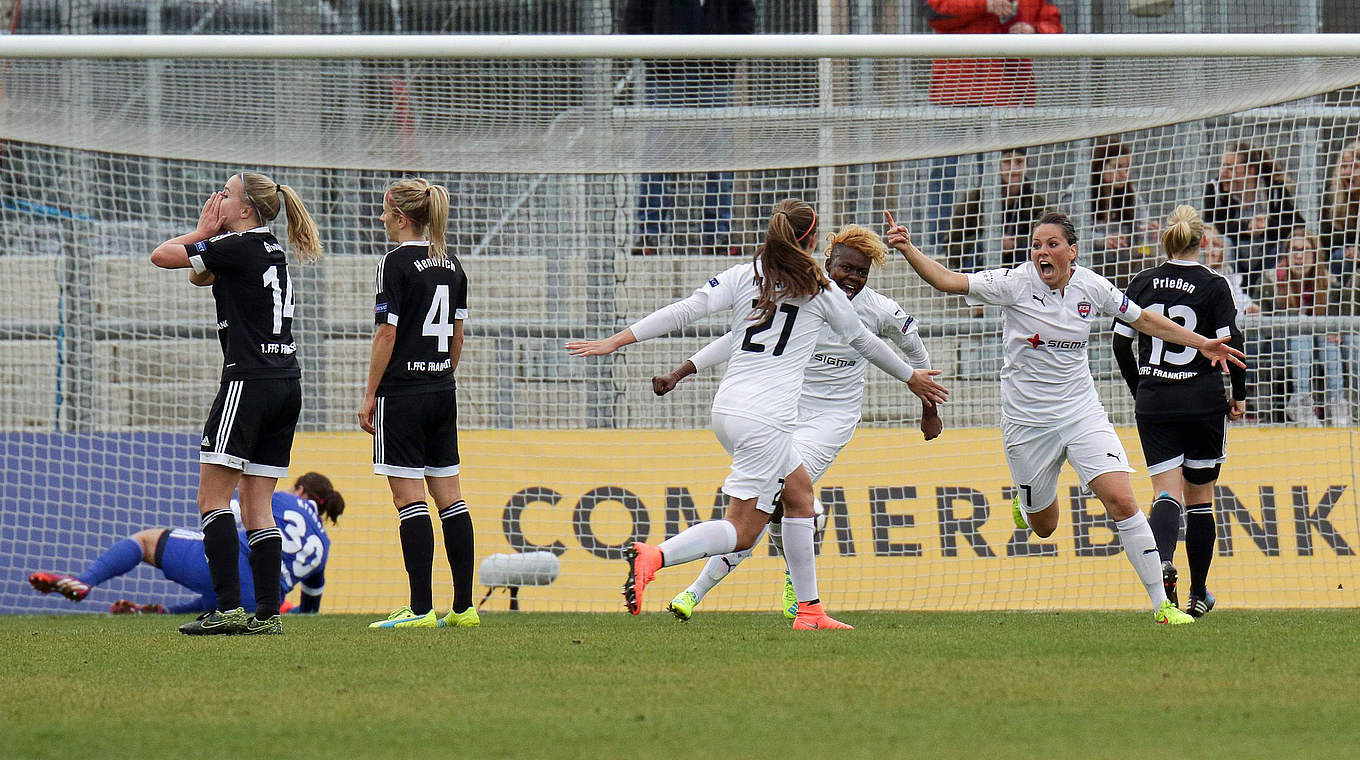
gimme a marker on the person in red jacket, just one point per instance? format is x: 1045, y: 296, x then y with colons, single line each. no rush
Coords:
x: 1005, y: 82
x: 996, y: 82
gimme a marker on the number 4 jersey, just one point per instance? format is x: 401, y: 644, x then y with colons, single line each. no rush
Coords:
x: 422, y: 297
x: 254, y: 303
x: 1177, y: 381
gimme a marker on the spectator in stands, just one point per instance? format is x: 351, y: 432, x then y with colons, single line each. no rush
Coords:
x: 1212, y: 248
x: 1299, y: 286
x: 993, y: 82
x: 675, y: 84
x: 1341, y: 245
x: 1020, y: 207
x: 1122, y: 234
x: 1252, y: 203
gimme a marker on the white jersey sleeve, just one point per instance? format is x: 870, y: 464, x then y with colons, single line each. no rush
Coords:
x: 713, y: 354
x: 896, y: 325
x: 718, y: 294
x: 843, y: 319
x: 1112, y: 302
x: 998, y: 287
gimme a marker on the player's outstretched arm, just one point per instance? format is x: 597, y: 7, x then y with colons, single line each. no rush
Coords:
x: 604, y: 346
x: 715, y: 353
x: 1216, y: 350
x: 933, y: 272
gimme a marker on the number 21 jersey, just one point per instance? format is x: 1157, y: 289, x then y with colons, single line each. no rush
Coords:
x: 422, y: 297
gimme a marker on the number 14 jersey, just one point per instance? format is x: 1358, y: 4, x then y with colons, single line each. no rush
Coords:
x: 422, y: 297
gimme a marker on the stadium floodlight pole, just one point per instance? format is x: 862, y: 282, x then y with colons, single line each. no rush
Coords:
x: 523, y: 46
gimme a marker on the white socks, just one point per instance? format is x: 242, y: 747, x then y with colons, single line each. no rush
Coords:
x: 707, y: 539
x: 1141, y: 549
x: 802, y: 561
x: 717, y: 568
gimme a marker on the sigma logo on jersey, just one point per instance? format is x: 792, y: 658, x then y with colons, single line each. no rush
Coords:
x: 1056, y: 345
x: 1084, y: 309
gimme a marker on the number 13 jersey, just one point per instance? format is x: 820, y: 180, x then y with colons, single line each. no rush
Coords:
x: 422, y: 297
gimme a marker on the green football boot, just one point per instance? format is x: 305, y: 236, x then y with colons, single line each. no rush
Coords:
x: 270, y: 627
x: 405, y: 618
x: 790, y: 598
x: 1018, y: 514
x: 215, y: 623
x: 682, y: 606
x: 468, y: 618
x: 1167, y: 614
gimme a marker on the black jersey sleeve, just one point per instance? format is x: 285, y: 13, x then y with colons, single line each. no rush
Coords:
x: 460, y: 306
x: 1126, y: 355
x: 387, y: 305
x: 222, y: 253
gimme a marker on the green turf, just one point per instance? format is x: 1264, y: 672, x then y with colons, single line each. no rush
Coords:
x: 1088, y: 685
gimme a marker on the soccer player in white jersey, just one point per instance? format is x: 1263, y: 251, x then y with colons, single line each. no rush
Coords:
x: 833, y: 390
x: 1049, y: 407
x: 756, y: 407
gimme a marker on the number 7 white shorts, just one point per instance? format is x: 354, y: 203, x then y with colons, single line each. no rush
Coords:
x: 1035, y: 455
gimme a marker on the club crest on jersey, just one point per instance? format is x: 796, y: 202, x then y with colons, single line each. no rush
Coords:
x: 1084, y: 309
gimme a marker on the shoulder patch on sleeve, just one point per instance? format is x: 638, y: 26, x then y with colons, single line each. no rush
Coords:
x: 1124, y: 305
x: 713, y: 282
x: 380, y: 308
x: 906, y: 326
x: 200, y: 246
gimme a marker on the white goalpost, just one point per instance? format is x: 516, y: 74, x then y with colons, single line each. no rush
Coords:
x: 595, y: 178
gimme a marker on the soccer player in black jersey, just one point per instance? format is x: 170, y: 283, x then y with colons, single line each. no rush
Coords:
x: 249, y: 433
x: 409, y: 404
x: 1180, y: 405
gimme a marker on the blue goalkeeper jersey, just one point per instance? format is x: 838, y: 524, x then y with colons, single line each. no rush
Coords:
x: 306, y: 547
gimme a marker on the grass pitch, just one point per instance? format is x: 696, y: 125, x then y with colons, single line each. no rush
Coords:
x: 1089, y: 685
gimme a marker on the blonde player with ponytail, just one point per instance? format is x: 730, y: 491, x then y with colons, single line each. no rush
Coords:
x: 779, y: 303
x: 410, y: 405
x: 1179, y: 400
x: 248, y: 438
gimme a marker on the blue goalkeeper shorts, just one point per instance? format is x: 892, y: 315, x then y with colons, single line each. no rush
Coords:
x: 179, y: 554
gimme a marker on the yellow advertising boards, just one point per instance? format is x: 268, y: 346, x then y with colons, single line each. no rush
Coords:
x: 913, y: 525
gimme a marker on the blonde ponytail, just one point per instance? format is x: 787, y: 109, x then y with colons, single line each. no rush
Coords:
x: 302, y: 232
x: 264, y: 194
x: 1182, y: 233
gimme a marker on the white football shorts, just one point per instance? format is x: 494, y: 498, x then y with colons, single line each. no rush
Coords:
x: 762, y: 455
x: 1035, y: 455
x: 820, y: 436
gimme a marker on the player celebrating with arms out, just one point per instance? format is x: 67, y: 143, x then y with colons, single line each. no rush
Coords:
x: 1050, y: 411
x: 248, y: 438
x: 756, y: 406
x: 410, y: 404
x: 1179, y: 402
x: 833, y: 389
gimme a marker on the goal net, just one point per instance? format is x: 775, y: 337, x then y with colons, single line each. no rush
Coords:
x: 590, y: 188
